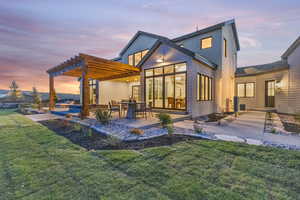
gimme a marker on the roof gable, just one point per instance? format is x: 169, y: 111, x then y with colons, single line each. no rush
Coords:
x: 180, y: 49
x: 210, y: 29
x: 136, y: 36
x: 290, y: 50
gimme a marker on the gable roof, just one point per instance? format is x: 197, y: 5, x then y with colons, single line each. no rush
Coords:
x: 290, y: 50
x: 261, y: 69
x: 181, y: 49
x: 136, y: 36
x: 212, y: 28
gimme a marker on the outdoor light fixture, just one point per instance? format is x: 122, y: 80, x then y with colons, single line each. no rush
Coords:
x: 160, y: 60
x: 278, y: 85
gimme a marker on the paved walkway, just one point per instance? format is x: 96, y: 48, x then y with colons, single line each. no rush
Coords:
x: 43, y: 117
x: 249, y: 127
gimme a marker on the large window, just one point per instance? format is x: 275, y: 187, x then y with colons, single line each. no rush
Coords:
x: 204, y: 89
x: 206, y: 43
x: 134, y: 59
x: 93, y: 91
x: 245, y: 89
x: 165, y: 87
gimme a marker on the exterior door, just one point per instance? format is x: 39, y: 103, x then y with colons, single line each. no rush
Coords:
x: 270, y: 94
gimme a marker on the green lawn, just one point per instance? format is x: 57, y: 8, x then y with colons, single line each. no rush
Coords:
x: 37, y: 164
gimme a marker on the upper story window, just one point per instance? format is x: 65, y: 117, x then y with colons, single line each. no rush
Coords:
x: 225, y: 47
x: 204, y: 90
x: 134, y: 59
x: 245, y: 90
x: 206, y: 43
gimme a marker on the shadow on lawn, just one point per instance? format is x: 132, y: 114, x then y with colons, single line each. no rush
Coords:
x: 89, y: 139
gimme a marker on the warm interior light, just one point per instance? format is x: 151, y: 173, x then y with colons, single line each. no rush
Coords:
x: 159, y: 60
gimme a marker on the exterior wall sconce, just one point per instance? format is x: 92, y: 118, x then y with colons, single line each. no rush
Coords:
x: 278, y: 86
x: 160, y: 60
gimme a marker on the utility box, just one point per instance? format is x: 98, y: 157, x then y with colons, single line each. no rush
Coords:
x: 236, y: 104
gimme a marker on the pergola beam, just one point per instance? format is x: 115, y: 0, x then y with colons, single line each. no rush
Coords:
x: 88, y: 67
x: 51, y: 93
x: 85, y: 93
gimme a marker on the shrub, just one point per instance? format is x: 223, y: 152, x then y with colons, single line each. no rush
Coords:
x: 170, y: 129
x: 137, y: 131
x: 198, y: 129
x: 87, y: 132
x: 165, y: 119
x: 103, y: 116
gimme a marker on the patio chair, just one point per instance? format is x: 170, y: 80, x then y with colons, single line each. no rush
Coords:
x: 114, y: 108
x: 141, y: 109
x: 124, y: 106
x: 149, y: 109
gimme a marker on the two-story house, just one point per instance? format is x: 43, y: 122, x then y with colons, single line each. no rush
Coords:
x: 193, y: 73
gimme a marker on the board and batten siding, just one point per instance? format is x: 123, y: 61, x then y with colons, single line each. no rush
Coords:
x: 258, y: 101
x: 294, y: 84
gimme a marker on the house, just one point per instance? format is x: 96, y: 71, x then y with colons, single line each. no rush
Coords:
x: 272, y: 86
x: 194, y: 74
x: 191, y: 74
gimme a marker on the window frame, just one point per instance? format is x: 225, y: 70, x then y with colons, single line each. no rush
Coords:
x: 245, y: 89
x: 142, y: 54
x: 204, y: 87
x: 164, y: 75
x: 211, y: 45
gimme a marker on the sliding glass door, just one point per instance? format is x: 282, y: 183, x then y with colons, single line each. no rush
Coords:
x: 165, y: 87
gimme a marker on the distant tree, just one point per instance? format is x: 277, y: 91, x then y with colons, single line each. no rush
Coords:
x: 55, y: 96
x: 15, y: 93
x: 36, y: 97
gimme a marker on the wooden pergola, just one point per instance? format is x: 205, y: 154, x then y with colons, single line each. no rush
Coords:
x: 88, y: 67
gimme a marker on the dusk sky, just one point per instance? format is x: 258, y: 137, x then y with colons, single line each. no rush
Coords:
x: 36, y: 35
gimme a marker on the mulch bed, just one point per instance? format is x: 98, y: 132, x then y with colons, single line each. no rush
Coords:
x: 290, y: 123
x: 93, y: 140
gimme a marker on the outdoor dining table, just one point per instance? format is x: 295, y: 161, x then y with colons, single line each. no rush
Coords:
x: 131, y: 108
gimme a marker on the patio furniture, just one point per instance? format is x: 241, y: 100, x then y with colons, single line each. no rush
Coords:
x: 114, y: 108
x: 141, y: 109
x: 149, y: 109
x: 131, y: 110
x: 124, y: 106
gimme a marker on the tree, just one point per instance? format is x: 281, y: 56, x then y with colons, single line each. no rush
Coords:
x: 55, y: 97
x: 15, y: 93
x: 36, y: 97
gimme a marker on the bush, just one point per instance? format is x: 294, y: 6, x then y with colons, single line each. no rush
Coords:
x: 137, y: 131
x: 87, y: 131
x: 198, y: 129
x: 103, y: 116
x: 170, y: 129
x: 165, y: 119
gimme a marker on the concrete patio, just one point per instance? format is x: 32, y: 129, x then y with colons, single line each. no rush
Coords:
x: 248, y: 127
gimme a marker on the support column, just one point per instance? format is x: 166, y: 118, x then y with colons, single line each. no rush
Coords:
x: 85, y: 94
x: 51, y: 93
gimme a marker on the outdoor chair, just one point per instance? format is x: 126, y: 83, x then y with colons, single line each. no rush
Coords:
x: 141, y: 109
x: 114, y: 108
x: 124, y: 106
x: 149, y: 109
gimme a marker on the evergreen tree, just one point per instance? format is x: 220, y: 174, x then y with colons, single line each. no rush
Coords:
x: 36, y: 97
x: 15, y: 93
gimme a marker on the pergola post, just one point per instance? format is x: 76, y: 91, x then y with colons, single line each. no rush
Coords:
x: 51, y: 93
x: 85, y: 94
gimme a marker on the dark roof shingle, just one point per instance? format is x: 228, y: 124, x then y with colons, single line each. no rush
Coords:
x: 261, y: 69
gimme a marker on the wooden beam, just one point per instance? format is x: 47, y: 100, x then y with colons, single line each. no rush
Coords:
x: 51, y: 93
x: 85, y: 94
